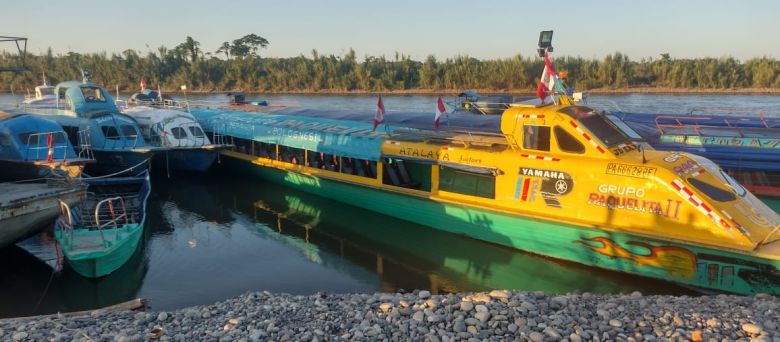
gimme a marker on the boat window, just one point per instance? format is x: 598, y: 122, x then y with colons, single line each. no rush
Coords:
x: 129, y: 131
x: 5, y: 140
x: 604, y: 130
x: 624, y: 127
x: 46, y: 91
x: 32, y: 138
x: 110, y: 132
x: 732, y: 183
x: 179, y: 133
x: 712, y: 191
x: 536, y: 138
x: 467, y: 183
x: 568, y: 143
x: 242, y: 145
x: 62, y: 92
x: 395, y: 172
x: 358, y: 167
x: 92, y: 94
x: 292, y: 155
x: 196, y: 132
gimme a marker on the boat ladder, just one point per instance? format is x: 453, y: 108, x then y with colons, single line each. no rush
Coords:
x: 85, y: 144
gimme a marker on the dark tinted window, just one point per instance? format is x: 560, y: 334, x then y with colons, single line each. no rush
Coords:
x: 568, y: 143
x: 179, y: 133
x: 604, y: 130
x: 467, y: 183
x: 129, y: 131
x: 196, y: 131
x: 110, y: 132
x: 712, y: 191
x: 92, y: 94
x: 536, y: 138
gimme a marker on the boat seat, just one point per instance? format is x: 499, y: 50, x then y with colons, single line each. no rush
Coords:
x: 371, y: 168
x: 360, y: 169
x: 347, y: 166
x: 398, y: 175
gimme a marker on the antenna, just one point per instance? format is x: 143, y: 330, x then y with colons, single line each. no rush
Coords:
x: 84, y: 76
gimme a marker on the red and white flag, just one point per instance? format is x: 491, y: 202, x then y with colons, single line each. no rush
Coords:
x: 440, y: 109
x: 547, y: 82
x: 379, y: 117
x: 143, y: 84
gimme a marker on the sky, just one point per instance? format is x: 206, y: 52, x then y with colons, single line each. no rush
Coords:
x: 481, y: 29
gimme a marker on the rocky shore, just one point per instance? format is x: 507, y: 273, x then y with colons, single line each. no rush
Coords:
x: 497, y: 315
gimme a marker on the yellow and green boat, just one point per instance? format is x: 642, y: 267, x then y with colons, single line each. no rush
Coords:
x: 561, y: 181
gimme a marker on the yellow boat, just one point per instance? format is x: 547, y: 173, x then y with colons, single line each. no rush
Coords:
x: 561, y: 180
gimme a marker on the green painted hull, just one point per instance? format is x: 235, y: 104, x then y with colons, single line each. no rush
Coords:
x: 100, y: 261
x: 686, y: 264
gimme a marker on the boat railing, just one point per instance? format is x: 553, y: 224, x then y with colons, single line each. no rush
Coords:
x: 114, y: 217
x: 54, y: 141
x: 732, y: 111
x: 179, y: 105
x: 696, y: 123
x: 85, y: 144
x: 65, y: 221
x: 472, y: 138
x: 218, y: 136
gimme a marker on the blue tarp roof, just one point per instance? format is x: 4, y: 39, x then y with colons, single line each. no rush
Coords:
x: 340, y: 137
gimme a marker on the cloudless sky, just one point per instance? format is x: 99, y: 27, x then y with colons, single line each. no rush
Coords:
x: 482, y: 29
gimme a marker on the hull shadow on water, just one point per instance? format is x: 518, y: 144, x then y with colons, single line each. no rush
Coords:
x: 210, y: 237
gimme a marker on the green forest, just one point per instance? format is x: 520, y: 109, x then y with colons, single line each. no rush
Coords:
x: 239, y: 65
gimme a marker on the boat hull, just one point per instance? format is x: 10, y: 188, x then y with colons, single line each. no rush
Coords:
x: 102, y: 263
x: 666, y: 260
x: 11, y: 171
x: 29, y: 216
x: 187, y: 160
x: 113, y: 161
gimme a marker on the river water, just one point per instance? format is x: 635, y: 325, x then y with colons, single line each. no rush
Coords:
x: 213, y: 236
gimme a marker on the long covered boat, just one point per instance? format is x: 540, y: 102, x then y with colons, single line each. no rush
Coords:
x: 560, y: 180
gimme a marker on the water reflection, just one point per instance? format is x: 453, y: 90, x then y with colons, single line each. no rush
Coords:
x: 212, y: 237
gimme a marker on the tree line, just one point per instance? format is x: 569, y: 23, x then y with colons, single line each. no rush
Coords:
x: 238, y: 65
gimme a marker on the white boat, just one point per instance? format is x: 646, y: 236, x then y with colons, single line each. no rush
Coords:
x: 44, y: 95
x: 166, y: 123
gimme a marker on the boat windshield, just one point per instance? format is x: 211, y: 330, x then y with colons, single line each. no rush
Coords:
x: 45, y: 91
x: 603, y: 129
x: 93, y: 94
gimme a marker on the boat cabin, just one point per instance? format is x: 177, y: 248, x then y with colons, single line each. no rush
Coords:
x: 27, y: 138
x: 44, y: 91
x: 89, y: 117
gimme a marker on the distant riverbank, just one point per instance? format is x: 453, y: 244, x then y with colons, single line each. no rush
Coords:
x: 515, y: 92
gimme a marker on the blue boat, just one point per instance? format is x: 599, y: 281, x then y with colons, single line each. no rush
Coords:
x: 747, y: 146
x: 89, y: 116
x: 32, y: 148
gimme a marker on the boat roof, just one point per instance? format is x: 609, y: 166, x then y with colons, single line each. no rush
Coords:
x: 344, y: 138
x: 81, y: 105
x: 458, y: 121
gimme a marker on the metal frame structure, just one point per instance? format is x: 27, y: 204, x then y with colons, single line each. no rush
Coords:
x: 21, y: 47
